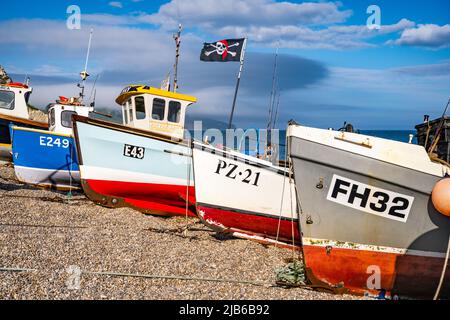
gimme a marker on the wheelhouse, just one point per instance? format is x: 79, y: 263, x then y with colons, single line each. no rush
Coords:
x: 154, y: 109
x: 60, y: 114
x: 13, y: 100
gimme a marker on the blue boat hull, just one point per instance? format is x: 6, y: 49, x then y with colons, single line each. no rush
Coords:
x: 5, y: 133
x: 45, y: 158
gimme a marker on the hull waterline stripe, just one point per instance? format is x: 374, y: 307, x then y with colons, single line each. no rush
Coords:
x: 364, y: 247
x: 42, y: 131
x: 116, y: 175
x: 266, y: 215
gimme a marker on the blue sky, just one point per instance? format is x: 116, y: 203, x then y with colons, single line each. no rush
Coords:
x: 332, y: 67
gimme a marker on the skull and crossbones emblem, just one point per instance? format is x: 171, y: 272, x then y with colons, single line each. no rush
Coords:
x: 222, y: 48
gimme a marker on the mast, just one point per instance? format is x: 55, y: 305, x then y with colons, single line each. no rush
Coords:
x: 275, y: 118
x: 273, y: 93
x: 177, y: 38
x: 84, y: 75
x: 230, y: 122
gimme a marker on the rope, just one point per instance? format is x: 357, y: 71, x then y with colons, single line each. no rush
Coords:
x: 443, y: 162
x: 187, y: 187
x: 41, y: 226
x: 428, y: 134
x: 438, y: 290
x: 186, y: 278
x: 292, y: 216
x: 17, y: 270
x: 69, y: 194
x: 281, y: 207
x: 48, y: 199
x: 151, y: 276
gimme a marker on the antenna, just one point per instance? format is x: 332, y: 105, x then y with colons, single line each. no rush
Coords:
x: 93, y: 101
x: 177, y: 38
x: 273, y: 93
x: 93, y: 88
x: 275, y: 119
x: 84, y: 75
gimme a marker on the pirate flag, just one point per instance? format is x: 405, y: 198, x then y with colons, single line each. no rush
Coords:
x: 223, y: 50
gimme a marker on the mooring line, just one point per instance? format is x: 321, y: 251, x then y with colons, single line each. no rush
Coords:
x: 46, y: 199
x: 150, y: 276
x: 41, y: 226
x: 17, y: 270
x: 185, y: 278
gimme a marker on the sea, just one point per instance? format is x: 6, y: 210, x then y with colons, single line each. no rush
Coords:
x: 396, y: 135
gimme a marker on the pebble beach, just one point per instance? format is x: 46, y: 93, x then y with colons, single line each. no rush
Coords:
x: 54, y: 245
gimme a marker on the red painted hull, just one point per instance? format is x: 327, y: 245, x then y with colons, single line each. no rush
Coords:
x: 402, y: 274
x: 250, y: 224
x: 147, y: 196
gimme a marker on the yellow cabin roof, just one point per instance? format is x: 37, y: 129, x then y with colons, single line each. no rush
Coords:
x: 139, y: 89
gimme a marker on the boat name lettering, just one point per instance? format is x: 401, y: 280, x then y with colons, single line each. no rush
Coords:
x: 370, y: 199
x: 133, y: 151
x: 46, y: 141
x: 232, y: 171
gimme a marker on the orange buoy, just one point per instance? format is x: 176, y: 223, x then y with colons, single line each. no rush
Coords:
x: 440, y: 196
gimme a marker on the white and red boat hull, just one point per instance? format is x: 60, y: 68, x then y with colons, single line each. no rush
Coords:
x: 244, y: 196
x: 122, y: 166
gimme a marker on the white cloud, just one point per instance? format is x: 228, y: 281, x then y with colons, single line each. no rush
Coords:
x: 116, y: 4
x: 332, y: 37
x: 370, y: 99
x: 308, y: 25
x: 425, y: 35
x: 219, y: 14
x: 113, y: 47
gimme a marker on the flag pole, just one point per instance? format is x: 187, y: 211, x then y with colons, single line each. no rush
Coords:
x: 237, y: 83
x: 177, y: 38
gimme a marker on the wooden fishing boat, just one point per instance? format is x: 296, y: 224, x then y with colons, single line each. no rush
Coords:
x: 245, y: 196
x: 143, y: 163
x: 368, y: 221
x: 14, y: 110
x: 48, y: 158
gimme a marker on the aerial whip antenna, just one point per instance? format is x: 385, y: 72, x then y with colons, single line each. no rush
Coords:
x: 177, y: 38
x: 93, y: 88
x: 84, y: 75
x: 273, y: 91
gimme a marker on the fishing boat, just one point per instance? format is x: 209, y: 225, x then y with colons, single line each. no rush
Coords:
x: 47, y: 158
x: 245, y: 196
x: 14, y: 110
x: 367, y: 218
x: 434, y: 136
x: 143, y: 163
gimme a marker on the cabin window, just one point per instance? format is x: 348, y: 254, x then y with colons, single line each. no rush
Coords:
x: 51, y: 118
x: 174, y: 111
x: 129, y: 110
x: 6, y: 100
x: 66, y: 118
x: 140, y: 108
x: 27, y: 96
x: 159, y: 106
x: 125, y: 112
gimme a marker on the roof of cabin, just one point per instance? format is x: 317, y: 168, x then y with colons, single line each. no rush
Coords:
x: 140, y: 89
x: 15, y: 85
